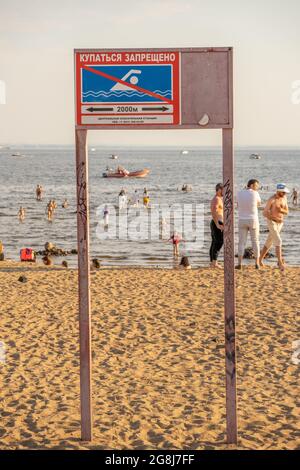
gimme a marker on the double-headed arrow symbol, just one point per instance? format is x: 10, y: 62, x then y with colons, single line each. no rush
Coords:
x: 152, y: 108
x: 162, y: 108
x: 91, y: 109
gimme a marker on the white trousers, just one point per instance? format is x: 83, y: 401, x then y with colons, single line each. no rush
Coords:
x: 251, y: 226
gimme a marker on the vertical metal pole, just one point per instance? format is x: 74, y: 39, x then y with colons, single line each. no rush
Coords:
x: 229, y: 286
x: 84, y: 283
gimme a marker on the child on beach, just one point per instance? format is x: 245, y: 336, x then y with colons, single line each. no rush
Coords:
x: 175, y: 239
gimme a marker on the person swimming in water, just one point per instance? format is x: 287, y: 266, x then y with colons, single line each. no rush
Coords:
x: 65, y: 204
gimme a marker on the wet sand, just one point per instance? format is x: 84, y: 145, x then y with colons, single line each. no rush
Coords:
x: 158, y: 359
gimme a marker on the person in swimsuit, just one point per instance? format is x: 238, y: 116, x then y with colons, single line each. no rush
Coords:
x: 175, y: 239
x: 38, y: 192
x: 146, y: 198
x: 294, y: 197
x: 50, y: 211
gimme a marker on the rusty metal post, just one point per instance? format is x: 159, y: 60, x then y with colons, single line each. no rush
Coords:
x: 84, y: 283
x: 229, y: 286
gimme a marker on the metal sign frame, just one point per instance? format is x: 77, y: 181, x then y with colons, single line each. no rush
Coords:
x: 206, y: 101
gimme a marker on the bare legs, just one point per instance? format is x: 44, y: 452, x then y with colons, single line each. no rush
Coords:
x: 279, y: 257
x: 263, y: 253
x: 278, y: 251
x: 175, y: 250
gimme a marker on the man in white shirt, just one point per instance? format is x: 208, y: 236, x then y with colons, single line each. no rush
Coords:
x: 248, y: 201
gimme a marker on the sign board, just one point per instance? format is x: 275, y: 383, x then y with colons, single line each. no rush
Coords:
x: 154, y: 89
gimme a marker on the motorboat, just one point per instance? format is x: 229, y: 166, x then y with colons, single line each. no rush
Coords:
x: 114, y: 157
x: 184, y: 152
x: 123, y: 173
x: 255, y: 156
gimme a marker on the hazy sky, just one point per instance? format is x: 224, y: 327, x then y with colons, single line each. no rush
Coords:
x: 37, y: 39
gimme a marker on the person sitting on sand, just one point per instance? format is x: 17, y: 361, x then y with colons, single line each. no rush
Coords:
x: 184, y: 263
x: 21, y: 214
x: 275, y: 210
x: 47, y: 261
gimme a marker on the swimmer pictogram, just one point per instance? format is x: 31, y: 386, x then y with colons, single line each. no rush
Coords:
x: 124, y: 93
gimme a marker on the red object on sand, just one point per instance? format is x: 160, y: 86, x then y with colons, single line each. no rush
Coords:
x: 27, y: 254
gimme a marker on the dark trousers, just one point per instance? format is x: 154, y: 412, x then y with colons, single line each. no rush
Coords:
x: 217, y: 241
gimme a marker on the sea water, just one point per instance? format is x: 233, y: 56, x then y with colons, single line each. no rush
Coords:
x: 54, y: 168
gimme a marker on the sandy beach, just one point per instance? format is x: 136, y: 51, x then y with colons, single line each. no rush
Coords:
x: 158, y: 359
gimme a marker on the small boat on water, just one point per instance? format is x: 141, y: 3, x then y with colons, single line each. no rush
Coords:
x: 17, y: 154
x: 255, y: 156
x: 114, y: 157
x: 184, y: 152
x: 123, y: 173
